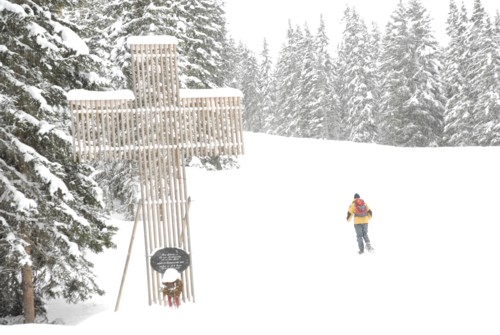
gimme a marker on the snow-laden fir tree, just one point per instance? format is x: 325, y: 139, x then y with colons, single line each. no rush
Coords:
x: 199, y: 26
x: 287, y: 76
x: 267, y: 90
x: 326, y: 99
x: 473, y: 108
x: 497, y: 25
x: 412, y: 103
x: 374, y: 54
x: 308, y: 120
x: 457, y: 117
x: 305, y: 98
x: 357, y: 83
x: 230, y: 58
x: 204, y: 43
x: 49, y: 208
x: 249, y: 74
x: 483, y: 74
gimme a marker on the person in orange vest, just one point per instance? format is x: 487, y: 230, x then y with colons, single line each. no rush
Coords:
x: 362, y: 215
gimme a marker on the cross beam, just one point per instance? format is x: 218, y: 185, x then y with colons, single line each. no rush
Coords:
x: 158, y: 125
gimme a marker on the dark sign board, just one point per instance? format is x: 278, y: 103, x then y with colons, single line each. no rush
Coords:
x: 167, y: 258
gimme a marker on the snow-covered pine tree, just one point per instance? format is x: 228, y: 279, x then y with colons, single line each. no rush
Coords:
x: 326, y: 101
x: 199, y: 26
x: 457, y: 117
x: 484, y: 77
x: 412, y: 104
x: 357, y: 80
x: 497, y: 25
x: 249, y: 72
x: 374, y: 54
x: 49, y: 213
x: 108, y: 24
x: 267, y: 89
x: 230, y: 58
x: 309, y: 117
x: 204, y: 43
x: 287, y: 79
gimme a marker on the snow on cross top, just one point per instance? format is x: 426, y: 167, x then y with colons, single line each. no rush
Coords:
x: 80, y: 95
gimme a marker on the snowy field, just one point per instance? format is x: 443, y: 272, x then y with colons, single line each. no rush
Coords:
x: 272, y: 252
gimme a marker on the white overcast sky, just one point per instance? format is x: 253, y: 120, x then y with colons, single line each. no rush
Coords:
x: 253, y: 20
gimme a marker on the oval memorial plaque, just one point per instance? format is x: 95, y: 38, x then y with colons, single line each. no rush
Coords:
x: 167, y: 258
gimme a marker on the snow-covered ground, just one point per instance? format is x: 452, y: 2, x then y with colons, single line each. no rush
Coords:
x: 272, y: 252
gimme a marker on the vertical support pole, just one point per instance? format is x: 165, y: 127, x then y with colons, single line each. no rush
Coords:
x: 131, y: 244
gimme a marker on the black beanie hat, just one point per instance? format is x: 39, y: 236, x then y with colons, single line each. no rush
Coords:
x: 356, y: 196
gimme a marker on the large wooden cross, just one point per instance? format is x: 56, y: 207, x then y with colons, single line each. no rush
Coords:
x: 158, y: 125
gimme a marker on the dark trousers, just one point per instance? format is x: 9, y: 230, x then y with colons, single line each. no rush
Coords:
x: 362, y: 234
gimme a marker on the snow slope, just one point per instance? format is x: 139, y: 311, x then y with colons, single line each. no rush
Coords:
x: 272, y: 252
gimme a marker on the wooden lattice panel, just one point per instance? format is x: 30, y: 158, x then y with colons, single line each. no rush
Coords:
x: 110, y: 126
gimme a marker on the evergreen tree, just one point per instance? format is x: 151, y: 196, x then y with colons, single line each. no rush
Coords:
x: 199, y: 26
x: 266, y: 88
x: 374, y: 55
x: 483, y: 74
x: 457, y: 117
x: 308, y: 119
x: 472, y: 114
x: 249, y: 70
x: 326, y: 100
x: 412, y: 105
x: 497, y: 25
x: 287, y: 79
x: 121, y: 186
x: 357, y: 81
x: 230, y: 58
x: 203, y: 47
x: 49, y: 213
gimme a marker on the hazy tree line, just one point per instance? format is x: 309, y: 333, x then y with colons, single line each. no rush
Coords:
x: 397, y: 87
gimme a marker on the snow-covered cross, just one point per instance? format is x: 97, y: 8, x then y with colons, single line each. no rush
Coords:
x: 158, y: 125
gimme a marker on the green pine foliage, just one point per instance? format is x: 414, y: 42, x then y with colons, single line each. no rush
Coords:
x: 50, y: 206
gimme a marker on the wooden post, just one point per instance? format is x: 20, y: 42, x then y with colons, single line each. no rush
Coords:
x: 131, y: 244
